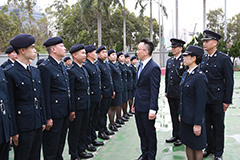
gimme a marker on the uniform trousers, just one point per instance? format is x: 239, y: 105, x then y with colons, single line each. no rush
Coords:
x: 4, y: 151
x: 215, y: 128
x: 147, y: 134
x: 174, y: 107
x: 29, y: 145
x: 104, y: 107
x: 77, y: 135
x: 54, y: 139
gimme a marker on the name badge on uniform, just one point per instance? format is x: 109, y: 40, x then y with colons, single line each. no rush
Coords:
x: 181, y: 65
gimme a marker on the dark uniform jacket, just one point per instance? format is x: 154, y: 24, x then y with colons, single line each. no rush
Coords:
x: 95, y: 80
x: 56, y: 88
x: 25, y: 98
x: 116, y: 76
x: 193, y: 97
x: 6, y: 63
x: 129, y: 78
x: 79, y: 87
x: 123, y: 68
x: 5, y: 118
x: 219, y: 71
x: 174, y: 72
x: 134, y: 72
x: 107, y: 88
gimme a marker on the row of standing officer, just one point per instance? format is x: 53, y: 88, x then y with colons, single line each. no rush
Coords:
x: 219, y: 70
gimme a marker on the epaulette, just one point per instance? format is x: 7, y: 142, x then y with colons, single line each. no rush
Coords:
x: 8, y: 67
x: 45, y: 62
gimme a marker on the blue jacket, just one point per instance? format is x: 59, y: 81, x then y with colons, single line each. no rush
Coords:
x: 5, y: 117
x: 173, y: 76
x: 95, y: 80
x: 6, y: 63
x: 123, y: 68
x: 107, y: 88
x: 129, y: 78
x: 79, y: 87
x: 219, y: 71
x: 147, y: 89
x: 56, y: 88
x: 116, y: 76
x: 193, y: 97
x: 134, y: 72
x: 26, y: 98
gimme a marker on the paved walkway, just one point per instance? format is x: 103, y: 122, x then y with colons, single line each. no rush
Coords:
x: 124, y: 145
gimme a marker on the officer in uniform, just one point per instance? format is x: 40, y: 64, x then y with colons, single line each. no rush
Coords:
x: 25, y: 100
x: 174, y: 71
x: 67, y: 61
x: 80, y: 103
x: 57, y: 99
x: 134, y: 72
x: 218, y: 68
x: 129, y: 82
x: 12, y: 56
x: 95, y: 96
x: 116, y: 103
x: 107, y: 92
x: 5, y: 118
x: 123, y: 68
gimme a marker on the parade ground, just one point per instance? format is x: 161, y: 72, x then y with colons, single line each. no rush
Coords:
x: 125, y: 144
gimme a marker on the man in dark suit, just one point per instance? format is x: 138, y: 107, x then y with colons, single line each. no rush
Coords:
x: 107, y: 92
x: 80, y: 102
x: 57, y: 99
x: 218, y: 68
x: 94, y: 73
x: 5, y: 118
x: 146, y: 99
x: 174, y: 72
x: 12, y: 56
x: 25, y: 100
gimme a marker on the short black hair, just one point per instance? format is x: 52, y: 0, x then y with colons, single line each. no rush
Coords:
x: 149, y: 44
x: 198, y: 59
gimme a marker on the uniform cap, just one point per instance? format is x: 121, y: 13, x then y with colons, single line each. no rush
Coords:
x: 22, y: 41
x: 52, y: 41
x: 76, y: 48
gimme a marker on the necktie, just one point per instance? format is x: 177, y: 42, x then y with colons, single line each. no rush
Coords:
x: 140, y: 69
x: 28, y: 69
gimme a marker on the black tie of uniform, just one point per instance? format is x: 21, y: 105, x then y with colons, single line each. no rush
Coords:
x: 28, y: 69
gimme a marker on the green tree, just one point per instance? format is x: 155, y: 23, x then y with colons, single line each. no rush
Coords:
x: 234, y: 51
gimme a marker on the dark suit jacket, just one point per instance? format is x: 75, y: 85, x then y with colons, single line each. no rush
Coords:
x: 147, y: 89
x: 95, y: 80
x: 79, y: 87
x: 219, y: 71
x: 129, y: 78
x: 134, y: 72
x: 25, y: 98
x: 56, y: 88
x: 116, y: 76
x: 123, y: 68
x: 193, y: 97
x: 106, y: 79
x: 5, y: 118
x: 6, y: 63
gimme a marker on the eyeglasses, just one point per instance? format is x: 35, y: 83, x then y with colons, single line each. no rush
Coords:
x: 141, y: 49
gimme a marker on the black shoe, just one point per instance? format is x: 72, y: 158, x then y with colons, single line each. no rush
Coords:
x: 91, y: 148
x: 85, y: 155
x: 177, y: 142
x: 109, y: 133
x: 142, y: 158
x: 126, y: 116
x: 120, y: 121
x: 129, y: 114
x: 206, y: 153
x: 117, y: 125
x: 124, y: 119
x: 171, y: 140
x: 112, y: 127
x: 97, y: 143
x: 103, y: 136
x: 217, y: 158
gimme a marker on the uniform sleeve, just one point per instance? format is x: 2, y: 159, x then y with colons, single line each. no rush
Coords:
x: 155, y: 78
x: 166, y: 78
x: 72, y: 78
x: 228, y: 75
x: 46, y: 81
x: 201, y: 99
x: 43, y: 109
x: 11, y: 88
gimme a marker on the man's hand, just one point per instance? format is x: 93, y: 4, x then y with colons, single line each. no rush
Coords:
x: 151, y: 116
x: 15, y: 139
x: 197, y: 130
x: 49, y: 124
x: 133, y: 109
x: 43, y: 127
x: 225, y: 107
x: 179, y: 118
x: 166, y: 95
x: 114, y: 93
x: 72, y: 116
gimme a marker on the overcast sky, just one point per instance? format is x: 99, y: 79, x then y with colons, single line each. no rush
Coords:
x: 190, y: 13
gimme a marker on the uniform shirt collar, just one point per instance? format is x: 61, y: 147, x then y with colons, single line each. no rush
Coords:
x: 11, y: 60
x: 24, y: 65
x: 79, y: 65
x: 58, y: 62
x: 178, y: 56
x: 190, y: 71
x: 145, y: 62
